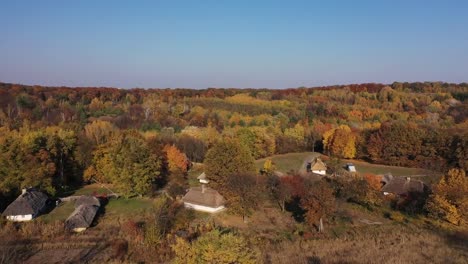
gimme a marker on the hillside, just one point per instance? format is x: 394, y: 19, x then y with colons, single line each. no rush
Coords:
x: 148, y: 146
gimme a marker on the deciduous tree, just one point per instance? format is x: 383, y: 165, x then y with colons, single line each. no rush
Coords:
x: 449, y: 200
x: 226, y: 158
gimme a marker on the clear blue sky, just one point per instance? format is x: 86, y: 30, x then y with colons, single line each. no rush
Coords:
x: 235, y: 43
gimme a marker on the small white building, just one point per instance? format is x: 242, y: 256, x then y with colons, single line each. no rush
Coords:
x: 350, y: 167
x: 205, y: 199
x: 27, y: 206
x: 203, y: 179
x: 317, y: 166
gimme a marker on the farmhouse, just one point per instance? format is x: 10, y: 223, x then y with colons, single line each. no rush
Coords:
x: 317, y: 166
x: 203, y: 179
x: 204, y: 199
x: 86, y: 208
x: 401, y: 186
x: 27, y: 206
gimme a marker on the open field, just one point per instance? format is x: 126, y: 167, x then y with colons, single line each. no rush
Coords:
x: 60, y: 213
x: 287, y: 162
x: 114, y: 207
x: 295, y: 162
x: 365, y: 167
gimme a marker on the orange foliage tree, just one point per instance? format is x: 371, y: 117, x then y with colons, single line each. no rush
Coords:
x: 177, y: 160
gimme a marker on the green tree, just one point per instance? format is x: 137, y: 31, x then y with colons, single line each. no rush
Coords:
x: 127, y: 162
x: 241, y: 194
x: 42, y: 158
x: 226, y: 158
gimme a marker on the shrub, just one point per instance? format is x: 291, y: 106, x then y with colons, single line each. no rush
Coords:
x: 397, y: 216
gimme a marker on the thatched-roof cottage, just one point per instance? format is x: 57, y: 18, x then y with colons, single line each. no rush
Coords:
x: 402, y: 186
x: 86, y: 208
x: 204, y: 199
x: 27, y: 206
x: 317, y: 166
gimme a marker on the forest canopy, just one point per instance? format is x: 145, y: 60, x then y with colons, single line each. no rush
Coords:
x: 73, y: 135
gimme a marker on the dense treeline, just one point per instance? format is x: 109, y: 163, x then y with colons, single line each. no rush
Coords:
x: 75, y: 134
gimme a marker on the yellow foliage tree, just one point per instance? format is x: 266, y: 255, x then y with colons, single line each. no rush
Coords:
x: 340, y: 142
x: 177, y: 160
x: 100, y: 131
x: 449, y: 200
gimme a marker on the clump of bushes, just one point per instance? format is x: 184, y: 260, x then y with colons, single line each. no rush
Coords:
x: 396, y: 216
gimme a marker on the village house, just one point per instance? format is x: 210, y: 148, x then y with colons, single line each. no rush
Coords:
x: 401, y: 186
x: 30, y: 204
x: 86, y: 208
x: 205, y: 199
x: 317, y: 166
x: 350, y: 167
x: 203, y: 179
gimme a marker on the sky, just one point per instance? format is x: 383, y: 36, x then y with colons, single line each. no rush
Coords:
x: 236, y: 43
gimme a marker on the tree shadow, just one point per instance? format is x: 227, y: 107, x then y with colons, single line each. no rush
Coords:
x: 101, y: 211
x: 313, y: 260
x: 294, y: 206
x: 458, y: 240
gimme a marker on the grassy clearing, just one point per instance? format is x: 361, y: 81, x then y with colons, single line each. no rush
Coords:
x: 287, y: 162
x: 193, y: 173
x: 115, y: 206
x: 364, y: 167
x: 127, y: 207
x: 60, y: 213
x: 295, y: 161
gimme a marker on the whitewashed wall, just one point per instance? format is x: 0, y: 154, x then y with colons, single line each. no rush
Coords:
x: 19, y: 218
x: 203, y: 208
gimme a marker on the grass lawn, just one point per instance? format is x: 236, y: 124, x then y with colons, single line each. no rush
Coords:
x: 295, y: 161
x: 128, y: 207
x: 286, y: 162
x: 364, y: 167
x: 115, y: 206
x: 193, y: 173
x: 60, y: 213
x: 426, y: 176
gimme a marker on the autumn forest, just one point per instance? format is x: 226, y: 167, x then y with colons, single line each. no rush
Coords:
x: 143, y: 142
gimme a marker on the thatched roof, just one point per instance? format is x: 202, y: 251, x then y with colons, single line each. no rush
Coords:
x: 87, y: 200
x: 82, y: 217
x: 403, y: 185
x: 204, y: 196
x: 318, y: 164
x: 30, y: 202
x: 86, y: 208
x: 202, y: 176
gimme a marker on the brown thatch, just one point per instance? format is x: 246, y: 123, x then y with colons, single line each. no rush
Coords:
x: 204, y: 196
x: 317, y: 165
x: 87, y: 200
x: 31, y: 202
x: 86, y: 208
x: 403, y: 186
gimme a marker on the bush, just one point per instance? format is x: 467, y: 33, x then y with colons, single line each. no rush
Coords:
x: 396, y: 216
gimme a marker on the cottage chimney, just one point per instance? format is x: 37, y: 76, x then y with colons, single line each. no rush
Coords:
x: 24, y: 190
x: 203, y: 188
